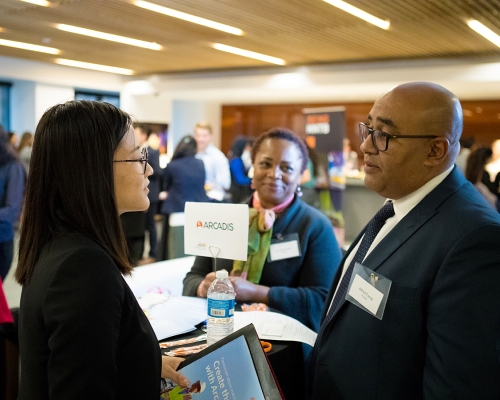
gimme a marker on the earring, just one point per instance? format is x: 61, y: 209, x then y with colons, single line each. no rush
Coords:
x: 298, y: 191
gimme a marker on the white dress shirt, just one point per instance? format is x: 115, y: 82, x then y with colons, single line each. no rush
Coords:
x: 217, y: 173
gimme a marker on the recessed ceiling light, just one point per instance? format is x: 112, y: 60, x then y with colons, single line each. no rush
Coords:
x: 247, y: 53
x: 188, y: 17
x: 97, y: 67
x: 359, y: 13
x: 109, y: 36
x: 38, y: 2
x: 484, y: 31
x: 28, y: 46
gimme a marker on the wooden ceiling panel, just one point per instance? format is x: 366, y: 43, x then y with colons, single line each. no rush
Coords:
x: 299, y: 31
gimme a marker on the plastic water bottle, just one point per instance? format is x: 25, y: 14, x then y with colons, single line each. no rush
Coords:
x: 220, y: 321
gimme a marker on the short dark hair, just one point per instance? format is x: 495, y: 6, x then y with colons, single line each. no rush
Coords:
x: 145, y: 128
x: 238, y: 147
x: 475, y: 164
x: 284, y: 134
x: 467, y: 142
x: 185, y: 148
x: 71, y: 184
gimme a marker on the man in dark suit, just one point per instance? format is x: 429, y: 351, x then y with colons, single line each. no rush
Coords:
x: 143, y: 133
x: 439, y: 335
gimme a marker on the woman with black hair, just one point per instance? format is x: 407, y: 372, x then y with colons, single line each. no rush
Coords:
x: 82, y: 333
x: 12, y: 181
x: 183, y: 180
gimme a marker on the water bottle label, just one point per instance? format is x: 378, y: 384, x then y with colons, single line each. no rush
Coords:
x: 220, y: 308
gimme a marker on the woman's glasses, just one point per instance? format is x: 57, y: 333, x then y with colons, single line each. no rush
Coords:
x: 143, y: 159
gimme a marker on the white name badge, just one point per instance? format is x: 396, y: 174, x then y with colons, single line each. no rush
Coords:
x: 368, y: 290
x: 216, y: 229
x: 366, y: 294
x: 284, y: 247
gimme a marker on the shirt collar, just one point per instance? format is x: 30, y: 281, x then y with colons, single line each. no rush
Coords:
x: 404, y: 205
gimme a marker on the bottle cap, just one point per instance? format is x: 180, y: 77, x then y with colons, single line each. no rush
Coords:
x: 222, y: 274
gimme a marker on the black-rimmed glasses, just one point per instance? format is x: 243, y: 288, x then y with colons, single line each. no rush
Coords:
x: 143, y: 159
x: 380, y: 139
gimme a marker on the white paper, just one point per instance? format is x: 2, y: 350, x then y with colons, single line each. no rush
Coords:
x: 220, y: 227
x: 273, y: 329
x: 292, y: 330
x: 366, y: 294
x: 171, y: 316
x: 281, y: 251
x: 164, y: 277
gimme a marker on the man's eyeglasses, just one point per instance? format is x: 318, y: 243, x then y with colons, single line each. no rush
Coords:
x: 143, y: 159
x: 380, y: 139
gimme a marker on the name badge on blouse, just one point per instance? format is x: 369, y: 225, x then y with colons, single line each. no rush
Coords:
x: 368, y: 290
x: 283, y: 247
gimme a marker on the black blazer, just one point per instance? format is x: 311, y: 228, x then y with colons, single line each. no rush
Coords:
x: 440, y: 334
x: 82, y: 334
x: 184, y: 180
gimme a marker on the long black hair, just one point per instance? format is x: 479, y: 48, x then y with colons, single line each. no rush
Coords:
x: 71, y: 185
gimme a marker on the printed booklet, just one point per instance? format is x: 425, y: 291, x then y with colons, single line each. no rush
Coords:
x: 235, y: 368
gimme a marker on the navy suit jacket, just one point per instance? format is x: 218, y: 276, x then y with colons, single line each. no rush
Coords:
x: 440, y: 334
x: 184, y: 180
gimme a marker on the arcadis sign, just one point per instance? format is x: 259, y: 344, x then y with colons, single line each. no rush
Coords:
x: 214, y: 229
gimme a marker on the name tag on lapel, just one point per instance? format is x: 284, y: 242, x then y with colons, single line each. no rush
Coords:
x: 368, y: 290
x: 283, y: 247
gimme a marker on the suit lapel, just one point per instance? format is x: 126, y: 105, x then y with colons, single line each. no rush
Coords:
x: 416, y: 218
x: 411, y: 223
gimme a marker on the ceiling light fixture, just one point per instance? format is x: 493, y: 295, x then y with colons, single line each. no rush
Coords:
x: 27, y: 46
x: 359, y: 13
x: 188, y: 17
x: 109, y: 36
x: 38, y: 2
x: 247, y: 53
x: 97, y: 67
x: 484, y: 31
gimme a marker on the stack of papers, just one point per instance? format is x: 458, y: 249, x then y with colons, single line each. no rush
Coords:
x: 170, y: 316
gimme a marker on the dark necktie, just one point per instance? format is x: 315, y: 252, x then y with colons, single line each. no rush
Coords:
x: 372, y: 229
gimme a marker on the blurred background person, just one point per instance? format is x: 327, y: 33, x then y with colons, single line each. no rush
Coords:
x: 350, y: 159
x: 183, y: 180
x: 239, y: 165
x: 12, y: 139
x: 296, y: 286
x: 24, y: 149
x: 308, y: 180
x: 467, y: 145
x: 474, y: 173
x: 143, y: 134
x: 493, y: 167
x: 82, y: 332
x: 217, y: 175
x: 12, y: 181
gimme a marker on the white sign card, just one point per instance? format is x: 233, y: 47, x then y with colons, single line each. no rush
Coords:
x: 216, y: 225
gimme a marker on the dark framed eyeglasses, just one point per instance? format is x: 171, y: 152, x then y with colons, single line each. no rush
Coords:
x: 380, y: 139
x: 143, y: 159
